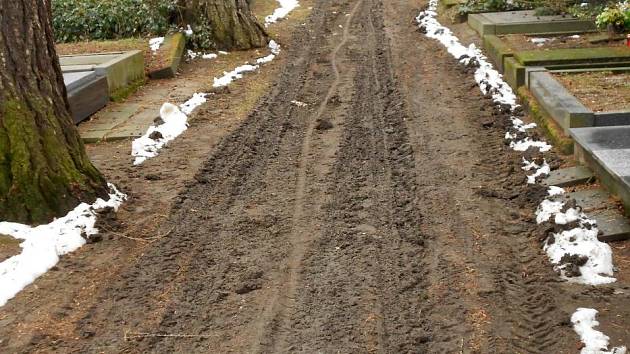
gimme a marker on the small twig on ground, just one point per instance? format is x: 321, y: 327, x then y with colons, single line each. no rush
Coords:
x: 148, y: 239
x: 133, y: 335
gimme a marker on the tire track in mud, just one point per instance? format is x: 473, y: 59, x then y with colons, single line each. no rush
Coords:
x: 201, y: 287
x: 368, y: 237
x: 273, y: 323
x: 361, y: 287
x: 489, y: 289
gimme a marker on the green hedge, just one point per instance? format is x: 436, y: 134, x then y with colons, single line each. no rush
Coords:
x: 76, y: 20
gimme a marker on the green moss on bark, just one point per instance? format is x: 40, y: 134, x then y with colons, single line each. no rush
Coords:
x: 42, y: 175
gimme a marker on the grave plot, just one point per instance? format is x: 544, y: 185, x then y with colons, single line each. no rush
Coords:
x: 497, y: 23
x: 600, y: 91
x: 513, y: 62
x: 91, y: 80
x: 533, y: 61
x: 120, y: 68
x: 582, y: 98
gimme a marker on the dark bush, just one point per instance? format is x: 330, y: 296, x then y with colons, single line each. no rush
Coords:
x: 76, y: 20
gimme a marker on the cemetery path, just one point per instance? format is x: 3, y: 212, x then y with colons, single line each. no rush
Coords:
x: 385, y: 215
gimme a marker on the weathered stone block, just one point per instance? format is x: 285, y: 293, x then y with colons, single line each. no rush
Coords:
x: 170, y: 55
x: 514, y: 73
x: 120, y: 69
x: 87, y: 93
x: 527, y: 22
x: 606, y: 150
x: 568, y: 177
x: 497, y: 50
x: 559, y: 103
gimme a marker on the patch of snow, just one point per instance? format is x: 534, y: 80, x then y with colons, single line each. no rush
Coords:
x: 542, y: 170
x: 149, y: 145
x: 188, y: 31
x: 194, y: 55
x: 519, y: 125
x: 523, y: 145
x: 298, y: 103
x: 237, y: 73
x: 582, y: 241
x: 156, y: 43
x: 547, y: 209
x: 595, y: 342
x: 540, y: 41
x: 195, y: 101
x: 222, y: 52
x: 553, y: 191
x: 281, y: 12
x: 579, y: 241
x: 43, y: 245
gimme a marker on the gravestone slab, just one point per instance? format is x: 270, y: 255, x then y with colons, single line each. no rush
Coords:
x: 527, y: 22
x: 87, y: 93
x: 589, y: 199
x: 98, y: 128
x: 603, y: 138
x: 568, y: 177
x: 574, y: 56
x: 169, y: 56
x: 120, y: 68
x: 558, y: 102
x: 612, y: 225
x: 597, y: 205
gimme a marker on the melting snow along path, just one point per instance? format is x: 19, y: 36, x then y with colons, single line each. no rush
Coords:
x: 286, y: 6
x: 174, y: 119
x: 43, y: 245
x: 580, y: 241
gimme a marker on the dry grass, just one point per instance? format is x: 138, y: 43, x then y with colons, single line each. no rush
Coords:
x: 599, y: 91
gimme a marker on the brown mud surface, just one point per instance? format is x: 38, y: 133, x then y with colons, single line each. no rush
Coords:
x: 387, y: 215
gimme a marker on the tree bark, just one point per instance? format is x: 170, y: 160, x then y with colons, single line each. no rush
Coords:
x: 232, y: 22
x: 44, y: 170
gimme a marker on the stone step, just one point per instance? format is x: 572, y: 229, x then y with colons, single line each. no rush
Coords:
x: 606, y: 150
x: 613, y: 226
x: 597, y: 205
x: 568, y: 177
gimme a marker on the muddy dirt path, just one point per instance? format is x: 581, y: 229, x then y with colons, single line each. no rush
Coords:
x: 385, y: 216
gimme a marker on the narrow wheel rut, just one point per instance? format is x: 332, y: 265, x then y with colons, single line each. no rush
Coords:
x: 302, y: 234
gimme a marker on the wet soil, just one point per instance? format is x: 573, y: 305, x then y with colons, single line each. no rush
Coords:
x: 371, y: 235
x: 599, y: 91
x: 9, y: 247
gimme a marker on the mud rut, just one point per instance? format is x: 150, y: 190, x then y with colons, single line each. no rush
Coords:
x: 366, y: 237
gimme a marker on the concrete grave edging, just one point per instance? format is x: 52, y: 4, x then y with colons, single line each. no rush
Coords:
x: 616, y: 184
x: 120, y: 68
x: 484, y: 24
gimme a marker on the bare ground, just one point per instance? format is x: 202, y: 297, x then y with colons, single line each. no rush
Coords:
x: 386, y: 216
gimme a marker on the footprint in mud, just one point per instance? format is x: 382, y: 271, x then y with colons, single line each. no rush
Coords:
x: 323, y: 124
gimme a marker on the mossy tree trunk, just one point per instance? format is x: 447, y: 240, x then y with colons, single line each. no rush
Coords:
x: 232, y: 22
x: 44, y: 170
